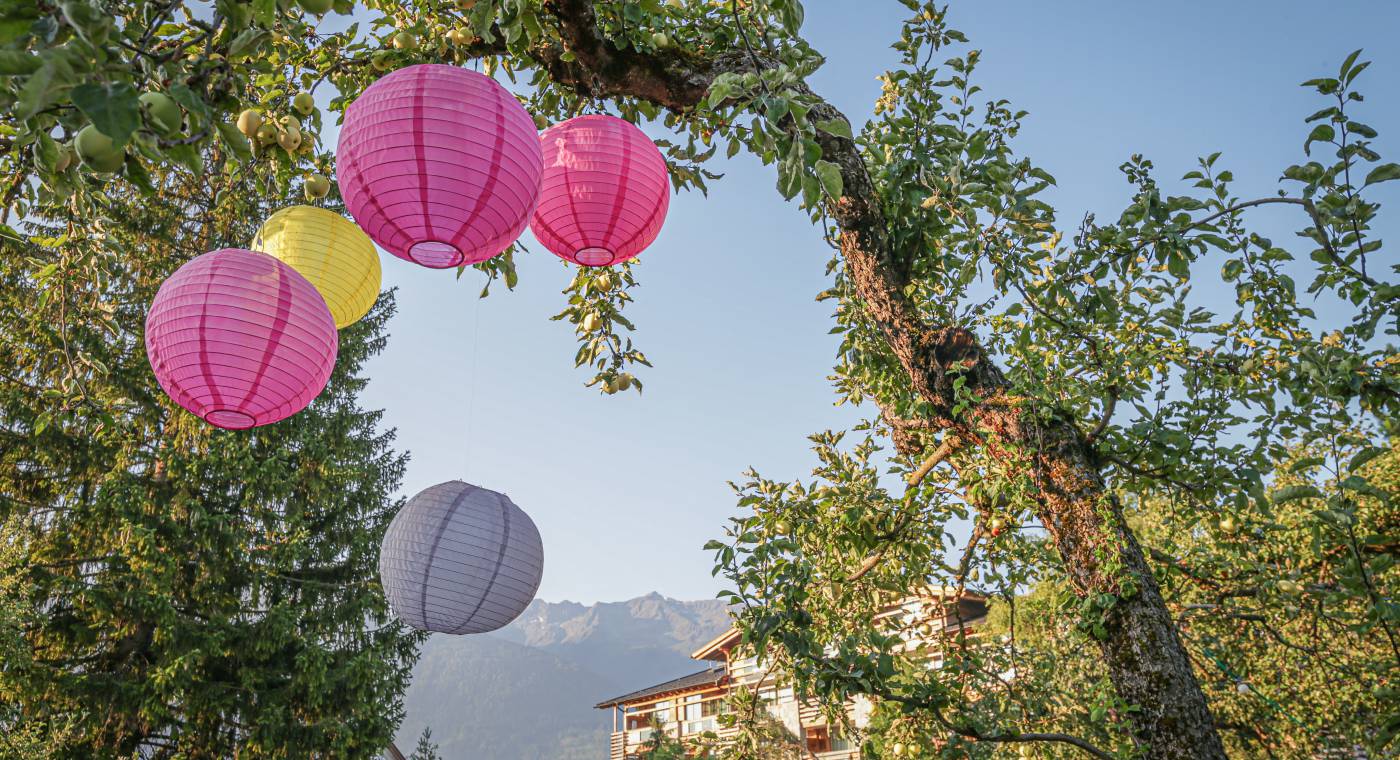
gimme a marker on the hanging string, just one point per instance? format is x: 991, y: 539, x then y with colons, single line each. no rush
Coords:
x: 471, y: 389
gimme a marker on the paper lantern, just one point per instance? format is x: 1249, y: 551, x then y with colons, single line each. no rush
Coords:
x: 240, y: 339
x: 329, y: 251
x: 460, y: 559
x: 604, y: 193
x: 440, y: 165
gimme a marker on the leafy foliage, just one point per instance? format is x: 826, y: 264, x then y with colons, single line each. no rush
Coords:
x: 1163, y: 360
x: 184, y: 591
x: 1189, y: 411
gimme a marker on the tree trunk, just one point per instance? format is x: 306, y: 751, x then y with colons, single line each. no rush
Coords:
x: 1144, y: 656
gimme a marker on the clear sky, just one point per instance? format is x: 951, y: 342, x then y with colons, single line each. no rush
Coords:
x: 626, y: 489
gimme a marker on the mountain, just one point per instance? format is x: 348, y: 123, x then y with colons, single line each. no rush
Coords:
x: 526, y: 692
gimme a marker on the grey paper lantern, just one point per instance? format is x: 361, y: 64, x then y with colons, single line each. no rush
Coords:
x: 460, y: 559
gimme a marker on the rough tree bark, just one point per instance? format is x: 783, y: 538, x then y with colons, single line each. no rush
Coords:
x: 1144, y: 655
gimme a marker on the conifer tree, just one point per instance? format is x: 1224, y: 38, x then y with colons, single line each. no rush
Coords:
x: 178, y: 590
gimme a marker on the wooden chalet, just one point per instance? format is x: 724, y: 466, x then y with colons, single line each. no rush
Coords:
x: 690, y: 705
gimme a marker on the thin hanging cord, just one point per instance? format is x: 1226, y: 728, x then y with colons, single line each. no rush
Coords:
x: 471, y: 389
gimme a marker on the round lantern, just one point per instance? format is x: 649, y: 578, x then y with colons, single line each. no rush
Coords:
x: 440, y: 165
x: 605, y: 191
x: 330, y: 252
x: 460, y: 559
x: 240, y: 339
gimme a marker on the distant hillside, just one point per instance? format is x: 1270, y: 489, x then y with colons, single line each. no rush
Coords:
x: 527, y: 692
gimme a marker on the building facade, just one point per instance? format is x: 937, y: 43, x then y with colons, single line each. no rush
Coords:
x: 688, y: 706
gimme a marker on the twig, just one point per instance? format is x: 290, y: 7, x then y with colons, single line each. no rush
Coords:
x: 950, y: 444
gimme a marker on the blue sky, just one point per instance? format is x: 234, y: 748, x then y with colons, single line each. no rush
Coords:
x: 626, y: 489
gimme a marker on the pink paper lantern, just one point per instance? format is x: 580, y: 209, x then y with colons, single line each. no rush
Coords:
x: 439, y: 165
x: 240, y: 339
x: 605, y: 191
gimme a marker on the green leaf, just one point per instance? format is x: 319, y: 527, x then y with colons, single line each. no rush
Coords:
x: 1363, y: 456
x: 46, y: 152
x: 113, y: 109
x: 265, y: 12
x: 187, y: 156
x: 1383, y: 173
x: 838, y: 127
x: 719, y: 91
x: 43, y: 86
x: 830, y: 175
x: 187, y: 98
x: 247, y: 41
x: 13, y: 62
x: 1294, y: 493
x: 1320, y: 133
x: 235, y: 141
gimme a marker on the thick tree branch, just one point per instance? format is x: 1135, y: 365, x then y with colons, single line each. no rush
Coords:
x: 1084, y: 520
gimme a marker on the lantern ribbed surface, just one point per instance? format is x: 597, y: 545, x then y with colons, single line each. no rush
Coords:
x: 604, y: 193
x: 460, y: 559
x: 439, y: 165
x: 240, y: 339
x: 330, y: 252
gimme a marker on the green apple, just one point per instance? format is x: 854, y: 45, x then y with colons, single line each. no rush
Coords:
x: 163, y: 114
x: 405, y: 41
x: 380, y: 61
x: 624, y: 381
x: 304, y: 103
x: 604, y: 282
x: 65, y: 159
x: 317, y: 186
x: 660, y: 40
x: 249, y: 122
x: 97, y: 150
x: 267, y: 134
x: 591, y: 322
x: 289, y: 138
x: 317, y: 7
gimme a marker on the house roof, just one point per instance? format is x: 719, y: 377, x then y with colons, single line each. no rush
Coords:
x: 714, y: 649
x: 706, y: 677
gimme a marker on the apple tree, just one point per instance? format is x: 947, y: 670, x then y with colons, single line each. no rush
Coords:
x: 1043, y: 380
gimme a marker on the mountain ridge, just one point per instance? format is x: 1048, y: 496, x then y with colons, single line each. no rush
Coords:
x: 527, y: 691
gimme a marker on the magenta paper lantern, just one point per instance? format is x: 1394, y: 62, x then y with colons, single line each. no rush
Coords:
x: 605, y: 191
x: 439, y: 165
x: 240, y: 339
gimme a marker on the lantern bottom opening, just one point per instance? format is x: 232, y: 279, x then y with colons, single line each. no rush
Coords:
x: 594, y: 256
x: 230, y: 419
x: 435, y: 254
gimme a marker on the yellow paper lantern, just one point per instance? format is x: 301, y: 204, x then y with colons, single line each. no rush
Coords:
x: 331, y: 252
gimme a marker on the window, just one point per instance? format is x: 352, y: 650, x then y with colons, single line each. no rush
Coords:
x: 665, y: 712
x: 775, y: 695
x: 744, y: 667
x: 818, y: 739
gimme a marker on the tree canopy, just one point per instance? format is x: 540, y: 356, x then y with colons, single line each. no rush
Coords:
x: 181, y: 591
x: 1088, y: 393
